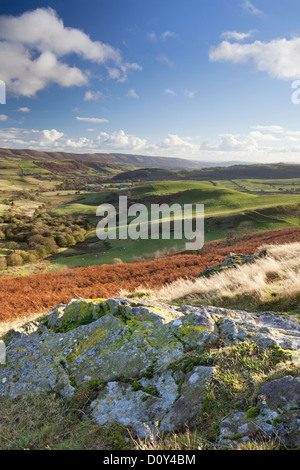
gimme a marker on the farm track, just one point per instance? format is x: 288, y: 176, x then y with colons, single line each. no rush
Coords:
x: 25, y: 295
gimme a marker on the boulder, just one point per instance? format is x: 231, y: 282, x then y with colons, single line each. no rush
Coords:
x: 134, y: 349
x: 276, y: 415
x: 232, y: 260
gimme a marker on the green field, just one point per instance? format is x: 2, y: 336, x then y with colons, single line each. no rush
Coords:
x: 225, y: 210
x: 60, y: 187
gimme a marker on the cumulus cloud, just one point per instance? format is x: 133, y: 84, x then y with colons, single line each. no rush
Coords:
x: 264, y: 142
x: 261, y: 143
x: 280, y: 58
x: 3, y: 117
x: 176, y: 144
x: 77, y: 145
x: 46, y: 139
x: 33, y: 45
x: 122, y: 141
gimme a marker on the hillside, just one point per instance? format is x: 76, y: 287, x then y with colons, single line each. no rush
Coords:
x: 231, y: 172
x: 66, y: 219
x: 107, y: 158
x: 129, y: 373
x: 106, y: 280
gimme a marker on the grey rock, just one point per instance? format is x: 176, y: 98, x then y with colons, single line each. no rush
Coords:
x: 118, y: 341
x: 278, y: 407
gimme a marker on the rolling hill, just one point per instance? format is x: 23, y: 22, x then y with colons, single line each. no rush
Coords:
x: 138, y: 161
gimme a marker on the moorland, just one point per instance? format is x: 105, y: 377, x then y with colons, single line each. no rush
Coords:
x: 50, y: 254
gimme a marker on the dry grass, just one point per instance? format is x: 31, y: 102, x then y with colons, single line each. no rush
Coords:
x: 17, y: 323
x: 47, y: 422
x: 188, y: 440
x: 270, y: 279
x: 25, y: 295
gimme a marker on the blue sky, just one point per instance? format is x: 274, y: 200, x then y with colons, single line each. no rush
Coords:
x: 199, y: 79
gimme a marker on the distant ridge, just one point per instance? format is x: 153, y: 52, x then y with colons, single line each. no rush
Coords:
x: 121, y: 159
x: 225, y: 172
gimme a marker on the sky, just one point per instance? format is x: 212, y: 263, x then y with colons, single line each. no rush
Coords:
x: 207, y: 80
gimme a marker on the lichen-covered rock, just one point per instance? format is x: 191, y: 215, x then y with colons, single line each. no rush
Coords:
x: 232, y: 260
x: 164, y: 404
x: 188, y: 405
x: 265, y: 329
x: 276, y: 415
x: 135, y: 349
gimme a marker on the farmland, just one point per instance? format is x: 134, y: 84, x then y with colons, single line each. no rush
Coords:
x: 38, y: 195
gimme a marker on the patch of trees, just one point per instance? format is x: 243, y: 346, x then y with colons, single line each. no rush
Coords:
x: 33, y: 239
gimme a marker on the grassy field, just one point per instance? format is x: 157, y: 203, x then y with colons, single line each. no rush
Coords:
x: 263, y: 204
x: 225, y: 210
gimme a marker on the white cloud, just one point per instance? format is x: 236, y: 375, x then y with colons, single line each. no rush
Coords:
x: 81, y: 143
x: 250, y: 8
x: 168, y: 91
x: 280, y: 58
x: 47, y: 139
x: 24, y: 110
x: 43, y: 29
x: 92, y: 95
x: 168, y: 34
x: 33, y: 44
x: 3, y: 117
x: 121, y: 74
x: 87, y: 119
x: 268, y: 128
x: 236, y: 35
x: 190, y: 93
x: 122, y: 141
x: 261, y: 144
x: 163, y: 36
x: 175, y: 144
x: 132, y: 94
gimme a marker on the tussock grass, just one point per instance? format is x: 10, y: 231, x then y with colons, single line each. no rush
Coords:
x: 272, y: 282
x: 47, y: 422
x: 240, y: 370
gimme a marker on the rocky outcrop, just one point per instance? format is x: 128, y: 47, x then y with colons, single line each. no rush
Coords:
x: 130, y: 353
x: 276, y: 414
x: 232, y: 260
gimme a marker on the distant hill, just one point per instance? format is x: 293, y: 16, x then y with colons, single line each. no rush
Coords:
x: 137, y: 161
x: 271, y: 171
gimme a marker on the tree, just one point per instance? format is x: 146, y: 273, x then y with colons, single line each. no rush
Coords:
x: 14, y: 260
x: 245, y: 227
x: 230, y: 237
